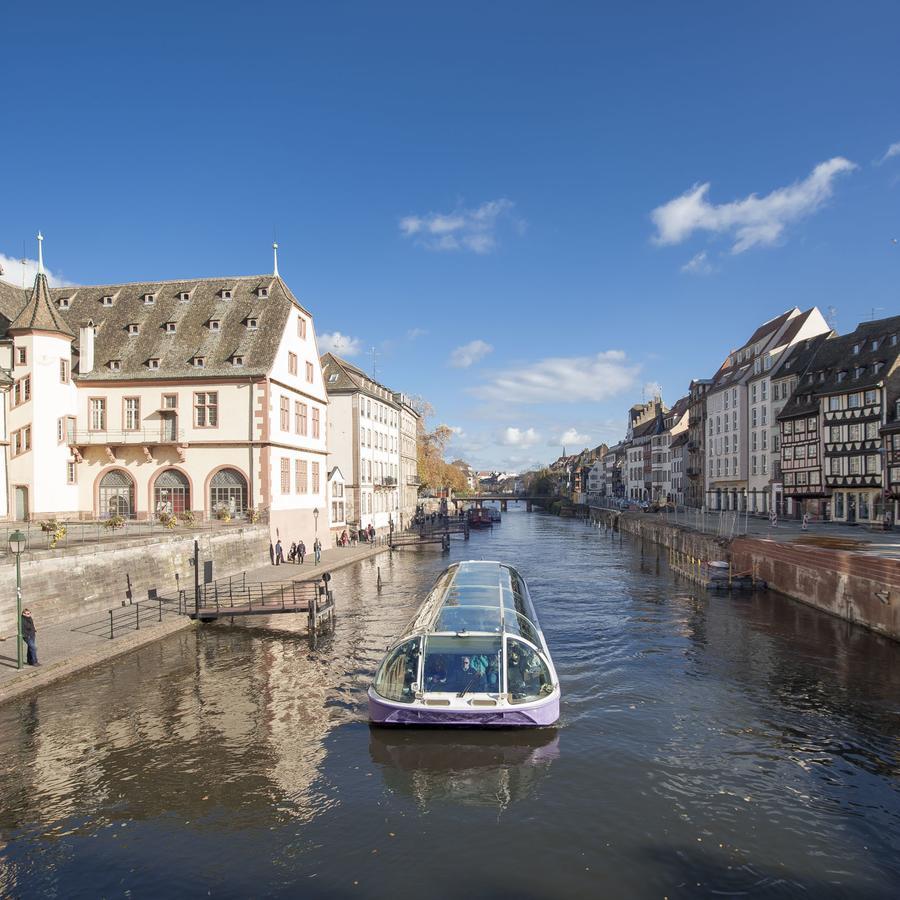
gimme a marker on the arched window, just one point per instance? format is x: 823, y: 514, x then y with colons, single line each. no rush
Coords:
x: 116, y: 495
x: 171, y: 493
x: 228, y: 491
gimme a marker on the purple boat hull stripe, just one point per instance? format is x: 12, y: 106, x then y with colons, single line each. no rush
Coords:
x: 384, y: 713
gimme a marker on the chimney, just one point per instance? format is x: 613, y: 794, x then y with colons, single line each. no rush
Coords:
x: 86, y: 347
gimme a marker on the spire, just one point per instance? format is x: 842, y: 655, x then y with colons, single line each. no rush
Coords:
x: 275, y: 251
x: 40, y: 313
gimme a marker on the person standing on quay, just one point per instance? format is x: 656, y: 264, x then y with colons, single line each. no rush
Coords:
x: 317, y: 549
x: 301, y: 551
x: 279, y: 553
x: 29, y: 635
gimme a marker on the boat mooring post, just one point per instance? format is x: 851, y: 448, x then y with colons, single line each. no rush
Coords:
x: 378, y: 580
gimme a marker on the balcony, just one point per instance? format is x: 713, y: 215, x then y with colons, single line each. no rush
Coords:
x: 413, y: 480
x: 138, y: 437
x: 693, y: 472
x: 386, y: 481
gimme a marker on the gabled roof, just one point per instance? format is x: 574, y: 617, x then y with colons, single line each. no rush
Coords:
x: 192, y: 336
x: 351, y: 379
x: 40, y: 313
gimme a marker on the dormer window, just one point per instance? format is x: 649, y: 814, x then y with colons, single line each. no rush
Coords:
x: 225, y: 294
x: 171, y: 327
x: 63, y: 302
x: 107, y: 300
x: 133, y: 328
x: 875, y: 344
x: 237, y: 360
x: 841, y: 376
x: 115, y: 365
x: 856, y: 349
x: 153, y: 362
x: 198, y: 362
x: 893, y: 340
x: 149, y: 299
x: 184, y: 296
x: 857, y: 371
x: 252, y: 324
x: 262, y: 293
x: 214, y: 324
x: 878, y: 367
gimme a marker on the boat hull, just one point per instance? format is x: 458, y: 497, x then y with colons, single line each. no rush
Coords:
x: 532, y: 715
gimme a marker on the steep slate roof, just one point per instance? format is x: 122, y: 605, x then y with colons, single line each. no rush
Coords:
x: 837, y: 356
x: 40, y: 313
x: 192, y: 336
x: 770, y: 327
x: 351, y: 379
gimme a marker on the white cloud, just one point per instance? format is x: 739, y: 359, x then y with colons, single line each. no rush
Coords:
x: 414, y: 333
x: 752, y: 221
x: 463, y: 229
x: 13, y: 272
x: 698, y: 264
x: 572, y: 438
x: 890, y: 153
x: 341, y: 344
x: 465, y: 356
x: 519, y: 437
x: 564, y: 379
x: 653, y: 389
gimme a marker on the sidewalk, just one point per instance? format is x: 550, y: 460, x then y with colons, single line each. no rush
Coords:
x: 68, y: 647
x: 332, y: 559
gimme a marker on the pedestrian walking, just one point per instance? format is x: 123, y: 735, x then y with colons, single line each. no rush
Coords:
x: 805, y: 525
x: 279, y: 553
x: 271, y: 553
x: 301, y: 551
x: 292, y: 553
x: 371, y: 533
x: 345, y: 539
x: 29, y: 635
x: 317, y: 549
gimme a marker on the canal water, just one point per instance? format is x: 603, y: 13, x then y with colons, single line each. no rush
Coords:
x: 708, y: 746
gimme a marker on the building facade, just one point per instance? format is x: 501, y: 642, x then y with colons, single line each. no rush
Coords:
x: 408, y: 437
x: 195, y: 398
x: 364, y: 442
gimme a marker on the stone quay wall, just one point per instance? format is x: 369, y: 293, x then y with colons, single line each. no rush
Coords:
x: 62, y: 585
x: 856, y: 587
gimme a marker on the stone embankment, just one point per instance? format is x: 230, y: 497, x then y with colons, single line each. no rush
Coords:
x: 859, y: 588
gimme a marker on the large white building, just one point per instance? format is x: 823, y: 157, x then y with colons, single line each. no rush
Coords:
x: 739, y: 413
x: 364, y: 442
x: 153, y: 399
x: 410, y: 425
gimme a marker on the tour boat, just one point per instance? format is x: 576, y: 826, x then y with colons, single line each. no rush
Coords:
x: 473, y: 654
x: 480, y: 518
x: 495, y: 514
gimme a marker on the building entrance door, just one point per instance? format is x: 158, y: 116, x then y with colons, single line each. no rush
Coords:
x: 21, y: 503
x: 851, y: 509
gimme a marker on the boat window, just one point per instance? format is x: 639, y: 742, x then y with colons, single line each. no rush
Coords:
x: 398, y: 673
x: 473, y: 596
x: 521, y: 625
x: 468, y: 665
x: 527, y: 675
x: 468, y: 618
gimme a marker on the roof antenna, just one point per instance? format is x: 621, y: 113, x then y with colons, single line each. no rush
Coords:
x: 831, y: 318
x: 275, y: 251
x: 875, y: 309
x: 40, y: 238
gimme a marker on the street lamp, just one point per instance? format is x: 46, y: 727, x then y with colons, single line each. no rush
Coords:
x: 17, y: 542
x: 316, y: 517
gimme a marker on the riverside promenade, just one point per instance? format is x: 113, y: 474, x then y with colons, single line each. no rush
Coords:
x: 79, y: 643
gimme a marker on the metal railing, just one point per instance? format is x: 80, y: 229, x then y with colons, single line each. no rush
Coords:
x: 83, y: 533
x: 721, y: 523
x: 86, y: 437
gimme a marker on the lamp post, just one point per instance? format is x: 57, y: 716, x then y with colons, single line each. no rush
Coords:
x: 17, y: 541
x: 316, y: 518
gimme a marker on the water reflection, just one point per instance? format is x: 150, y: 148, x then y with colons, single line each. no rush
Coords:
x: 471, y: 768
x: 706, y: 745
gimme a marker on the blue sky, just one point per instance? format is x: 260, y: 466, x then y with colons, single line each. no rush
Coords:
x: 505, y: 199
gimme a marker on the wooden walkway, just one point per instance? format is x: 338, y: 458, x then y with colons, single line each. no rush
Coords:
x: 438, y: 532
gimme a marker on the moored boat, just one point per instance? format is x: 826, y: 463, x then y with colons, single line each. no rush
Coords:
x: 479, y: 517
x: 474, y: 655
x: 495, y: 515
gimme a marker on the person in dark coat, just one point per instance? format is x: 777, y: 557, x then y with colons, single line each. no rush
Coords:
x: 279, y: 553
x: 301, y: 551
x: 29, y: 635
x: 272, y: 553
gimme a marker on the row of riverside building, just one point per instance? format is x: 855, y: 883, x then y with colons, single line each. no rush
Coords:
x: 205, y: 399
x: 797, y: 420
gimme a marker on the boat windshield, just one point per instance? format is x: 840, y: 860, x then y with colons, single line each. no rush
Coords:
x: 462, y: 665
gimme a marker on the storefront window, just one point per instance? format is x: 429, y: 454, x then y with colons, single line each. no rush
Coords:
x: 838, y: 506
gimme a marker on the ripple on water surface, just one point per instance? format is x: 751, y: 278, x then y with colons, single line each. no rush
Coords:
x: 707, y: 745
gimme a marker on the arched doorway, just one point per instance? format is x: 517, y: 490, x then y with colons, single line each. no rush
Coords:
x: 228, y: 491
x: 171, y: 493
x: 116, y: 495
